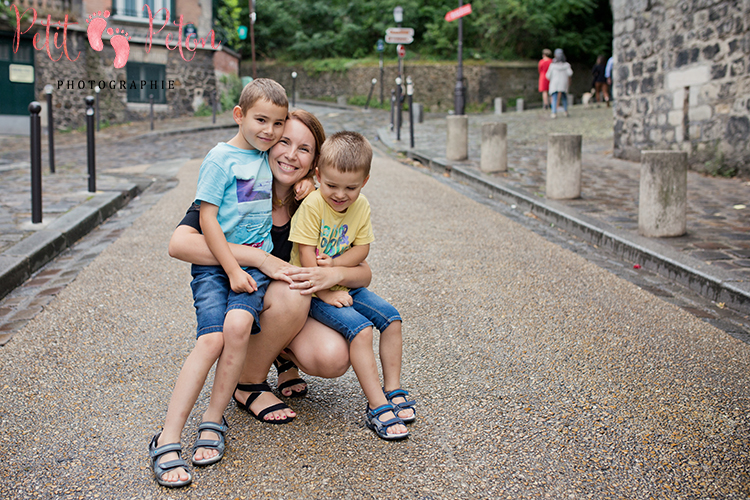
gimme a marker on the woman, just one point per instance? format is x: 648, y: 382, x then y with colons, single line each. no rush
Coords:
x: 559, y: 75
x: 284, y: 322
x: 542, y: 67
x: 600, y: 80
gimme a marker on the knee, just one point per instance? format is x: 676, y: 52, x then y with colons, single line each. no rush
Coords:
x: 332, y: 360
x: 237, y: 327
x: 212, y: 343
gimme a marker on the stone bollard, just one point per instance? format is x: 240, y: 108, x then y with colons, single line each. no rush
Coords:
x: 494, y: 147
x: 418, y: 112
x: 662, y: 205
x: 341, y: 100
x: 457, y: 146
x: 563, y: 166
x: 498, y: 105
x: 571, y: 99
x: 519, y: 104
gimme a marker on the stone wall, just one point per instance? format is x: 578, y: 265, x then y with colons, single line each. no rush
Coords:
x: 434, y: 83
x: 682, y: 80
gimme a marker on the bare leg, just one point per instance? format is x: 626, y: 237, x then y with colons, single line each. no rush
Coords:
x: 363, y: 362
x: 186, y: 390
x: 319, y: 350
x: 283, y: 315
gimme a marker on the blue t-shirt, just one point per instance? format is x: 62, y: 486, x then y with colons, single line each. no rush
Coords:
x: 239, y: 181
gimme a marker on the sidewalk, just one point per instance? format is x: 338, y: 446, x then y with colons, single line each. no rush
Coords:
x: 713, y: 258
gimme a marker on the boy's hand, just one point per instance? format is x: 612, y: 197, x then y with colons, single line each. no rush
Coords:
x: 242, y: 282
x: 324, y: 260
x: 303, y: 187
x: 338, y: 298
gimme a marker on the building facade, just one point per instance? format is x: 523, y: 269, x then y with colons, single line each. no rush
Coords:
x: 133, y: 50
x: 682, y: 80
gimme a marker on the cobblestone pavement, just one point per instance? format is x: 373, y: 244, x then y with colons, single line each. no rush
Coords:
x: 538, y: 376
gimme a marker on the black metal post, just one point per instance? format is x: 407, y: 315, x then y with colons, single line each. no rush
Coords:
x: 409, y: 92
x: 294, y: 89
x: 90, y: 143
x: 36, y: 162
x: 369, y: 96
x: 393, y: 107
x: 213, y: 119
x: 382, y: 99
x: 399, y: 101
x: 151, y: 109
x: 97, y: 89
x: 50, y: 129
x: 459, y: 91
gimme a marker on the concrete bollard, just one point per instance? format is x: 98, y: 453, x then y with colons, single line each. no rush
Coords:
x: 494, y: 147
x: 498, y: 105
x: 662, y: 206
x: 519, y: 104
x: 571, y: 99
x: 563, y: 166
x: 418, y: 112
x: 341, y: 100
x: 457, y: 145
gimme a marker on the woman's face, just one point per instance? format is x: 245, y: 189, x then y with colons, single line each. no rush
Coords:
x: 291, y: 158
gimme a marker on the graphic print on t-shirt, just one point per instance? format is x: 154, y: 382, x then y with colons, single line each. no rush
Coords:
x: 334, y: 241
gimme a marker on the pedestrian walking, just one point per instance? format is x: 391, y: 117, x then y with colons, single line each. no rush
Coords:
x: 601, y: 87
x: 559, y: 75
x: 543, y: 66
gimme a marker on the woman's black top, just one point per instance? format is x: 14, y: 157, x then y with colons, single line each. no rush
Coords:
x: 282, y: 247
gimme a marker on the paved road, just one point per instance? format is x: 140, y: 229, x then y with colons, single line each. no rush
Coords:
x: 538, y: 374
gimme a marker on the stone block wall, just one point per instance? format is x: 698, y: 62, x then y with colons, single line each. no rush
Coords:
x: 682, y: 80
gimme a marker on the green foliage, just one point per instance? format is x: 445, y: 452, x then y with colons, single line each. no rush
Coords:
x: 231, y: 96
x: 496, y: 29
x: 204, y: 110
x: 717, y: 167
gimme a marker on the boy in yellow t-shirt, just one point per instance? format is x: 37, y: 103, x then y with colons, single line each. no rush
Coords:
x: 332, y: 228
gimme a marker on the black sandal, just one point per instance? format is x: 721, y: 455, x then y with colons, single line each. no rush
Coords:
x: 284, y: 365
x: 256, y: 390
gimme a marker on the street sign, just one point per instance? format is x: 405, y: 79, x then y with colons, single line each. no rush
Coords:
x: 189, y: 29
x: 242, y: 31
x: 398, y: 39
x: 381, y: 45
x: 401, y: 51
x: 400, y: 31
x: 459, y: 12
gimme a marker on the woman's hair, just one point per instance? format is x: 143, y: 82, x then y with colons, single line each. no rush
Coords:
x: 316, y: 129
x: 547, y: 53
x: 559, y: 55
x: 599, y: 59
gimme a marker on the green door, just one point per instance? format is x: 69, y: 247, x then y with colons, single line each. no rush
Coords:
x: 16, y: 76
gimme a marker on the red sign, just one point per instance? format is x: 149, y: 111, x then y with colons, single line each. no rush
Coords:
x: 459, y: 12
x: 401, y: 50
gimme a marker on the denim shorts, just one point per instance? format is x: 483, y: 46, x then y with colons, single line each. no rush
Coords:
x: 213, y: 297
x: 368, y: 309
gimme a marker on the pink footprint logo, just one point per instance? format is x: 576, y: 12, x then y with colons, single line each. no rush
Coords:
x: 97, y: 24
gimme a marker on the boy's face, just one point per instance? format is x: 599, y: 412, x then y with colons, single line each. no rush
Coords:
x: 340, y: 189
x: 261, y: 126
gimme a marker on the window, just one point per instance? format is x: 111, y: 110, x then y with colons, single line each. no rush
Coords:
x: 147, y: 79
x: 135, y: 8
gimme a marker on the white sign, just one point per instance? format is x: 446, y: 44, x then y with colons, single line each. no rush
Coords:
x: 398, y: 39
x: 400, y: 31
x: 21, y: 73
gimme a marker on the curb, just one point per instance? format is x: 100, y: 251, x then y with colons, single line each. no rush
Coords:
x: 19, y: 262
x: 714, y: 284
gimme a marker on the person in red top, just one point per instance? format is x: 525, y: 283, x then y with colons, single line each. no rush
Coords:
x: 543, y: 82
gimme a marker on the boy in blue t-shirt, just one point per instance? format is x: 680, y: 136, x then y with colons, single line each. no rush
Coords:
x: 234, y: 192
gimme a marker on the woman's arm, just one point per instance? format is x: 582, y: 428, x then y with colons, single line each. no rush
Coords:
x: 189, y: 245
x: 323, y: 278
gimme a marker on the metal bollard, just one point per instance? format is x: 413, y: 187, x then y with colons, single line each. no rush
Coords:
x: 36, y: 162
x: 409, y: 92
x: 213, y: 118
x: 97, y: 90
x: 151, y: 109
x: 369, y: 96
x: 393, y: 107
x: 50, y: 129
x: 563, y: 166
x: 398, y: 108
x: 662, y: 200
x: 294, y: 91
x: 90, y: 143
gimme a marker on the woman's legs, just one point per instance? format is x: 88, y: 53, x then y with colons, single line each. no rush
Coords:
x: 284, y: 313
x: 554, y: 102
x: 319, y: 351
x: 564, y: 102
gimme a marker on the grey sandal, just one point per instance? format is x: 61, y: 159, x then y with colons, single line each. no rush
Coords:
x: 372, y: 420
x: 403, y: 405
x: 214, y: 444
x: 160, y: 468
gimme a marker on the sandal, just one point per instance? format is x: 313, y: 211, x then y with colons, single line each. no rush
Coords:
x: 256, y: 390
x: 155, y: 453
x: 403, y: 405
x: 380, y: 428
x: 284, y: 365
x: 214, y: 444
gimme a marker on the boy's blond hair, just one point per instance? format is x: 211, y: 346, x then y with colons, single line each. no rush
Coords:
x: 347, y: 152
x: 263, y: 88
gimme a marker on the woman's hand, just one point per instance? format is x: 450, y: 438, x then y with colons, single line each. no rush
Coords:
x: 277, y: 269
x: 310, y: 280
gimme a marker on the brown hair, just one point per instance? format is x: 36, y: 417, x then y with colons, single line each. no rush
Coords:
x: 347, y: 152
x: 547, y: 53
x: 314, y: 126
x: 262, y: 88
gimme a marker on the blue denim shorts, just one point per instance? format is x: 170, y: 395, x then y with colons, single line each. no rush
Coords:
x: 213, y: 297
x: 368, y: 310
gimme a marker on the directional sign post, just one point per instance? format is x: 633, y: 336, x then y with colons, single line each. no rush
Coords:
x: 381, y: 48
x: 461, y: 11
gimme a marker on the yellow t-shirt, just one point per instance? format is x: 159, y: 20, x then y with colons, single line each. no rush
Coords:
x: 316, y: 224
